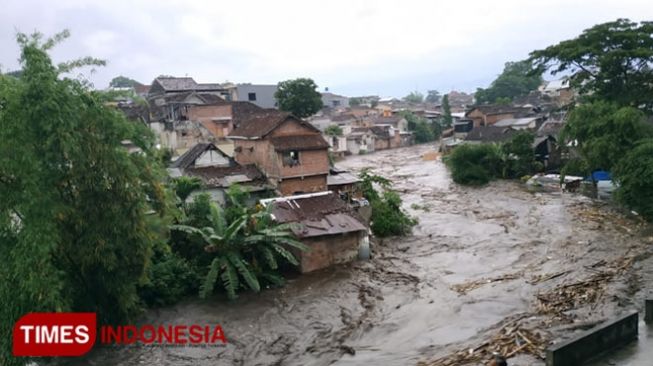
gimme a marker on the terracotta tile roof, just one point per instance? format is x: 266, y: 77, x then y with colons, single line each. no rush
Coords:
x: 241, y: 111
x: 299, y: 142
x: 261, y: 124
x: 382, y: 132
x: 391, y: 120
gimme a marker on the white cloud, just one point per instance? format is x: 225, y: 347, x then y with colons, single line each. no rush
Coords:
x: 384, y: 46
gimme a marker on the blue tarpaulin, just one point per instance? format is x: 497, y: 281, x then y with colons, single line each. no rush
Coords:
x: 599, y: 175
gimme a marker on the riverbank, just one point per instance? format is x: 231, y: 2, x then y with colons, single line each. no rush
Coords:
x: 478, y: 260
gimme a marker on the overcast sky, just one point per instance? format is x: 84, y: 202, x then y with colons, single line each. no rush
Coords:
x: 388, y: 48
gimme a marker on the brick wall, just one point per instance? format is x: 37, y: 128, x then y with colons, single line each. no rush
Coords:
x: 328, y: 250
x: 315, y: 183
x: 207, y: 114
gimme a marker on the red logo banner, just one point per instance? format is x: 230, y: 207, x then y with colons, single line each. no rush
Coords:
x: 54, y: 334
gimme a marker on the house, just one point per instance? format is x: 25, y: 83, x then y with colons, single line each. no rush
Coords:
x: 487, y: 115
x: 360, y: 141
x: 460, y: 99
x: 559, y: 90
x: 344, y: 184
x: 368, y: 100
x: 462, y: 127
x: 387, y: 137
x: 218, y: 172
x: 526, y: 123
x: 397, y: 121
x: 166, y: 85
x: 221, y: 118
x: 258, y: 94
x: 334, y: 100
x: 291, y: 152
x: 337, y: 145
x: 170, y: 119
x: 486, y: 134
x: 547, y: 149
x: 332, y: 231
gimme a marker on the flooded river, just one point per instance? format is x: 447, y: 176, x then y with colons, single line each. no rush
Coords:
x: 401, y: 307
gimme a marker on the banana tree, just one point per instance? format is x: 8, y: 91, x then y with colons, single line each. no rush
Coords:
x: 244, y: 250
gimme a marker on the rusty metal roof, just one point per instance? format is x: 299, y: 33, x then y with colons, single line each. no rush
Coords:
x: 317, y: 214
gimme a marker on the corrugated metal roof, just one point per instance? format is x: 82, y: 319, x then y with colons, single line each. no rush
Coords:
x: 316, y: 214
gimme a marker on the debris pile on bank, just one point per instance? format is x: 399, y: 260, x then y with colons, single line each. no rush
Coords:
x: 565, y: 297
x: 513, y: 338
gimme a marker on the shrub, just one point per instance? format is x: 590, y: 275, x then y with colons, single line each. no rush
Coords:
x: 634, y: 173
x: 388, y: 219
x: 519, y: 156
x: 387, y: 216
x: 170, y: 279
x: 475, y: 164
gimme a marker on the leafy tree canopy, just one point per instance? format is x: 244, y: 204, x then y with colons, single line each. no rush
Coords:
x: 604, y: 132
x: 333, y: 130
x: 79, y: 214
x: 517, y: 79
x: 354, y: 102
x: 635, y: 176
x: 123, y: 82
x: 299, y: 97
x: 433, y: 96
x: 414, y: 97
x: 447, y: 119
x: 611, y: 60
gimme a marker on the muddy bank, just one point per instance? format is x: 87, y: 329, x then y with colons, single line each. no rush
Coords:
x: 479, y: 259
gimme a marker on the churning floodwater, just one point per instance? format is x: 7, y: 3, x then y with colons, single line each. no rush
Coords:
x: 401, y: 307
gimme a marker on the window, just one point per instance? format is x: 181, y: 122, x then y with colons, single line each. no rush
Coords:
x: 291, y: 158
x: 251, y: 97
x: 335, y: 103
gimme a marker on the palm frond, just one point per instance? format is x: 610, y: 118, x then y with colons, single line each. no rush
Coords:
x: 218, y: 219
x: 289, y: 241
x: 273, y: 278
x: 192, y: 231
x: 244, y: 271
x: 229, y: 278
x: 234, y: 228
x: 269, y: 257
x: 285, y: 254
x: 206, y: 288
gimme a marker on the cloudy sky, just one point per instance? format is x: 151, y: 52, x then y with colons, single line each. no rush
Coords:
x: 354, y: 47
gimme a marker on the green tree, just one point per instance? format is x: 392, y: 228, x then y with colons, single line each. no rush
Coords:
x: 476, y: 165
x: 421, y: 128
x: 414, y: 97
x: 433, y: 96
x: 603, y: 132
x: 333, y: 130
x: 634, y: 173
x: 610, y: 61
x: 123, y: 82
x: 517, y: 79
x: 388, y: 218
x: 447, y: 119
x: 185, y: 185
x: 299, y: 97
x: 423, y: 132
x: 79, y: 214
x: 354, y: 102
x: 519, y: 155
x: 243, y: 251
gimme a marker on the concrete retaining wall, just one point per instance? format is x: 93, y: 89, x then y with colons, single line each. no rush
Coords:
x: 593, y: 342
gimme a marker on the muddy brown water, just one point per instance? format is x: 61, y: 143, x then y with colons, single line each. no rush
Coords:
x: 398, y: 308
